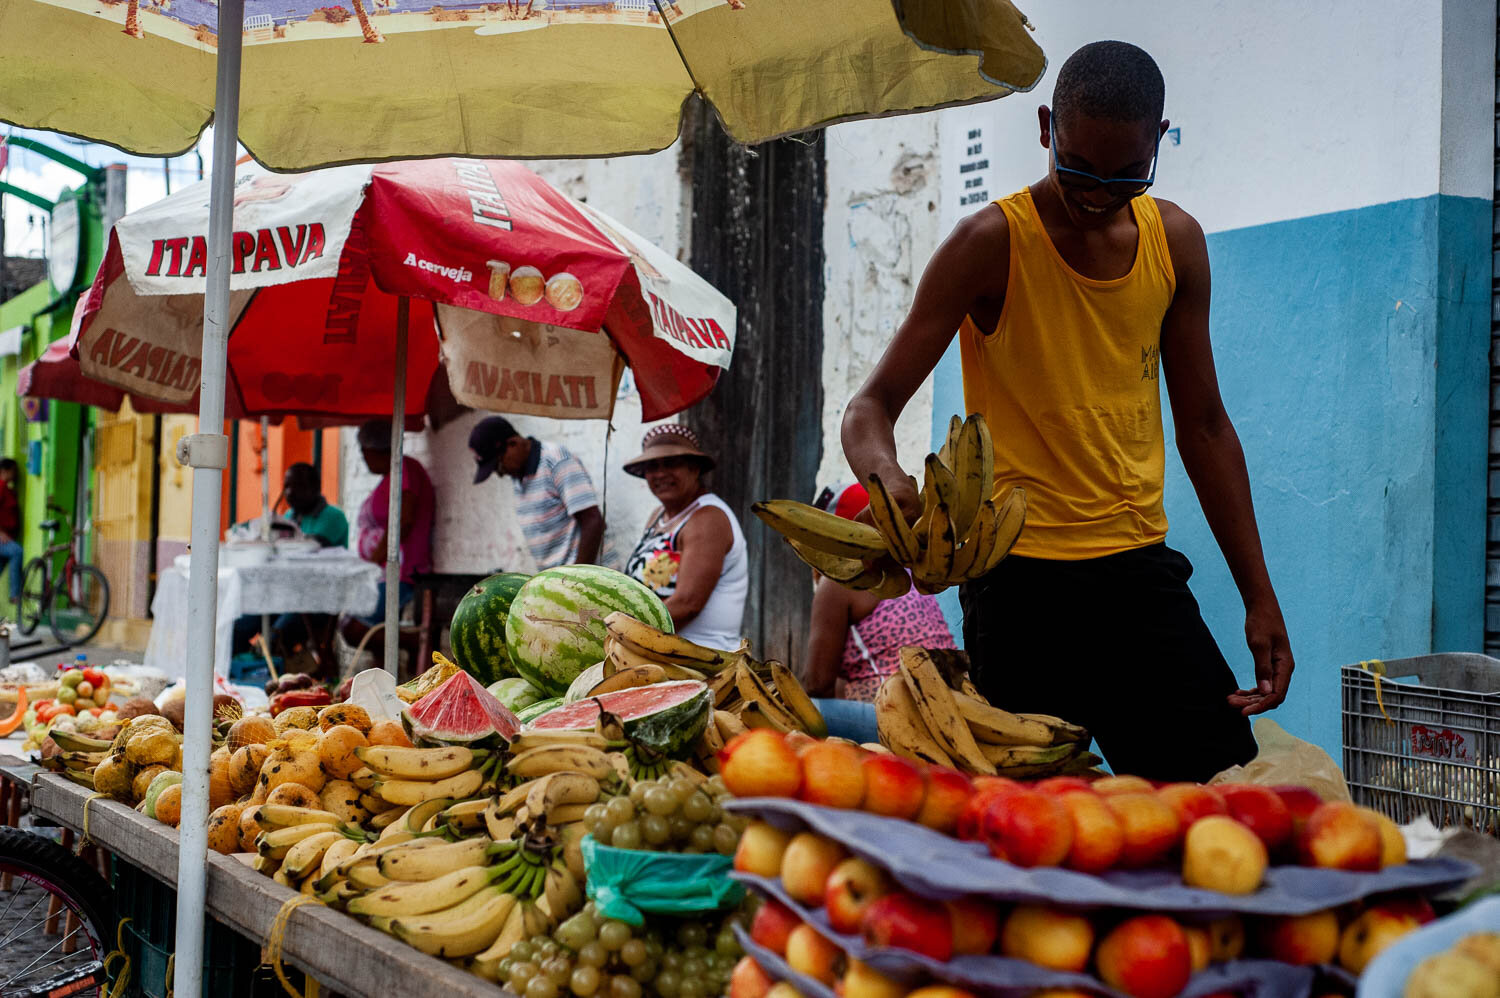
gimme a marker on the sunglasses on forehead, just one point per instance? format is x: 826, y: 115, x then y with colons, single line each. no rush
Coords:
x: 1083, y: 181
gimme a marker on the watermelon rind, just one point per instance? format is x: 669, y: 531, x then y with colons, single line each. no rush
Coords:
x: 667, y: 717
x: 515, y: 692
x: 528, y: 714
x: 584, y: 682
x: 477, y: 632
x: 555, y: 629
x: 459, y: 712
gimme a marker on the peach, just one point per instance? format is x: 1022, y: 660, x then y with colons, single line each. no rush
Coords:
x: 1392, y: 842
x: 1047, y: 937
x: 801, y: 741
x: 909, y: 922
x: 852, y: 885
x: 1192, y: 801
x: 809, y: 952
x: 894, y: 786
x: 760, y: 850
x: 1151, y: 828
x: 1339, y: 836
x: 1261, y: 810
x: 1098, y: 836
x: 1200, y: 947
x: 748, y: 980
x: 772, y: 923
x: 760, y: 763
x: 976, y: 925
x: 1376, y: 928
x: 832, y: 775
x: 1110, y: 785
x: 1226, y: 939
x: 864, y: 981
x: 970, y: 825
x: 783, y: 989
x: 1302, y: 939
x: 948, y: 791
x: 1301, y: 802
x: 1062, y: 784
x: 1028, y: 829
x: 1146, y: 956
x: 807, y: 864
x: 1220, y: 854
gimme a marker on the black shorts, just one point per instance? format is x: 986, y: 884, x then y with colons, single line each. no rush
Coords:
x: 1116, y: 644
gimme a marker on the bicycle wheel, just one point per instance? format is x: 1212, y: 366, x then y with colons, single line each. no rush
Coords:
x: 33, y: 603
x: 70, y: 959
x: 79, y: 605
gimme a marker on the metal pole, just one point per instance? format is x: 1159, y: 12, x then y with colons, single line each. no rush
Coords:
x: 393, y: 509
x: 208, y: 453
x: 265, y: 513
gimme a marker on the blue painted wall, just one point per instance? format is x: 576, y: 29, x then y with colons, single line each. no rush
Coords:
x: 1353, y: 356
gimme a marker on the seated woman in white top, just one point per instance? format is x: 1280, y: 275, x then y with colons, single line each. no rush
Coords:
x: 693, y: 553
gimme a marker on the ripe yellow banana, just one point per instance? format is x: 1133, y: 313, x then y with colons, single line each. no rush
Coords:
x: 755, y: 716
x: 756, y: 693
x: 821, y: 530
x: 832, y: 566
x: 1012, y: 519
x: 789, y: 691
x: 974, y: 478
x: 335, y: 854
x: 659, y: 646
x: 626, y: 679
x: 939, y: 482
x: 429, y: 864
x: 557, y: 758
x: 1062, y: 731
x: 949, y: 448
x: 901, y: 727
x: 423, y: 896
x: 1006, y: 756
x: 276, y: 843
x: 728, y: 725
x: 557, y: 789
x: 537, y: 739
x: 993, y: 726
x: 403, y: 763
x: 936, y: 567
x: 419, y: 816
x: 889, y: 520
x: 979, y: 542
x: 487, y: 963
x: 894, y: 582
x: 364, y: 777
x: 412, y: 792
x: 460, y: 937
x: 935, y: 703
x: 274, y: 816
x: 560, y: 888
x: 306, y: 856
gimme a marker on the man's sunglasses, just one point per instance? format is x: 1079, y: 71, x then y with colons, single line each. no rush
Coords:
x: 1083, y: 181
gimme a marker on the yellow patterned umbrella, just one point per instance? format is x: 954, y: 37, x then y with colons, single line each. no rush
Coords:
x: 336, y: 81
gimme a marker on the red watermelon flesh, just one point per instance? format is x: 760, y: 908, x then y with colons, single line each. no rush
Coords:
x: 458, y: 712
x: 667, y: 717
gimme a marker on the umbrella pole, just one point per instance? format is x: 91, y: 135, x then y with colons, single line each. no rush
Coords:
x: 207, y: 452
x: 393, y: 510
x: 265, y: 514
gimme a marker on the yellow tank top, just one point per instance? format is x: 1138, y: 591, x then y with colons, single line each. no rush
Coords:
x: 1068, y: 382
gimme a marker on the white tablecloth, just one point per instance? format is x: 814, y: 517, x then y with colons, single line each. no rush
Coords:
x: 333, y: 580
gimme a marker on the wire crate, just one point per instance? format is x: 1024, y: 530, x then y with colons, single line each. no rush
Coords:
x: 1424, y: 739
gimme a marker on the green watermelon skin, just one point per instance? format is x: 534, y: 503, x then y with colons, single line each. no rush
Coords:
x: 668, y: 717
x: 555, y: 629
x: 477, y: 632
x: 536, y: 710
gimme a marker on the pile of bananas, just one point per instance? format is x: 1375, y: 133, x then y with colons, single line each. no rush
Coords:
x: 637, y: 654
x: 923, y: 713
x: 962, y: 533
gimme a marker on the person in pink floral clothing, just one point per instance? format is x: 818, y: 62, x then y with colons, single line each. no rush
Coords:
x: 855, y: 639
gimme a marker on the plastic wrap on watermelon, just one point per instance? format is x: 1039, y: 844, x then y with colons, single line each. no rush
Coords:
x: 459, y: 712
x: 665, y: 717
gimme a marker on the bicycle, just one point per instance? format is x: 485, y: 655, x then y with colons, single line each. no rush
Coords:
x: 56, y: 920
x: 75, y: 601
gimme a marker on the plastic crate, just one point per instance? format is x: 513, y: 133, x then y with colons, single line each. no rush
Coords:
x: 231, y: 963
x: 1435, y: 748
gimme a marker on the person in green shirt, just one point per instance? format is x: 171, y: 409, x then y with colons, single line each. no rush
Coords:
x: 315, y: 516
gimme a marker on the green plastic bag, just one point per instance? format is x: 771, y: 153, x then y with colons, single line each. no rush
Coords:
x: 625, y: 883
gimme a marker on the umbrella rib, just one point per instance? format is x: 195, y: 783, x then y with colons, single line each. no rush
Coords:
x: 697, y: 88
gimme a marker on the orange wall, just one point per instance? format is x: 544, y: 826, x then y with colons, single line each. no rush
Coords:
x: 286, y: 445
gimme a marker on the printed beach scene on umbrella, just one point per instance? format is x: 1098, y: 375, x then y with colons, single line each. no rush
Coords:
x: 193, y: 21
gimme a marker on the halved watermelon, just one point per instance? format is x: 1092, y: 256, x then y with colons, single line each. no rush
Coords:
x: 459, y: 712
x: 667, y: 717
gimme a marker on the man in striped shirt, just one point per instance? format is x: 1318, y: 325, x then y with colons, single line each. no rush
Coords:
x: 555, y: 502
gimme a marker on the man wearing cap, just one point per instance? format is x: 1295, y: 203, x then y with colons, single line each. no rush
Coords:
x: 555, y: 501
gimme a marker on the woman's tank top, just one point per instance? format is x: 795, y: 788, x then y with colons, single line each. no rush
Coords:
x: 654, y: 563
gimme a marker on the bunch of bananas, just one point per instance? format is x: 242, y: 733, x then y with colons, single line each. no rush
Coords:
x: 404, y: 776
x: 921, y: 715
x: 961, y: 534
x: 80, y: 755
x: 637, y: 654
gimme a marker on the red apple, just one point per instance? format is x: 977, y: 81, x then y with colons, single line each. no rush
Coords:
x: 1192, y: 801
x: 894, y: 786
x: 832, y: 775
x: 1098, y: 836
x: 760, y: 763
x: 864, y: 981
x: 852, y: 885
x: 948, y: 791
x: 761, y: 849
x: 976, y: 924
x: 1151, y: 828
x: 971, y: 818
x: 1377, y: 927
x: 1338, y: 836
x: 772, y: 924
x: 1303, y: 940
x: 1048, y: 937
x: 1301, y: 802
x: 1147, y: 957
x: 1062, y: 784
x: 748, y: 980
x: 809, y: 952
x: 808, y: 862
x: 1261, y: 809
x: 1028, y: 829
x: 909, y: 922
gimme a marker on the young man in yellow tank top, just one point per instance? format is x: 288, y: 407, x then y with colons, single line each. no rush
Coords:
x: 1070, y: 298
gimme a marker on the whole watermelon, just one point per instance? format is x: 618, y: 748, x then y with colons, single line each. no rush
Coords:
x: 478, y: 629
x: 556, y: 625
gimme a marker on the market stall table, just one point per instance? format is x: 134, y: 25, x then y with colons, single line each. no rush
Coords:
x: 333, y: 580
x: 341, y: 952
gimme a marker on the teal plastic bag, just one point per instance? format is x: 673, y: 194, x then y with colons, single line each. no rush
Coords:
x: 626, y: 883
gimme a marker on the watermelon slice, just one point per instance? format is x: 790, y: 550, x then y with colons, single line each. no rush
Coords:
x: 666, y: 717
x: 459, y: 712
